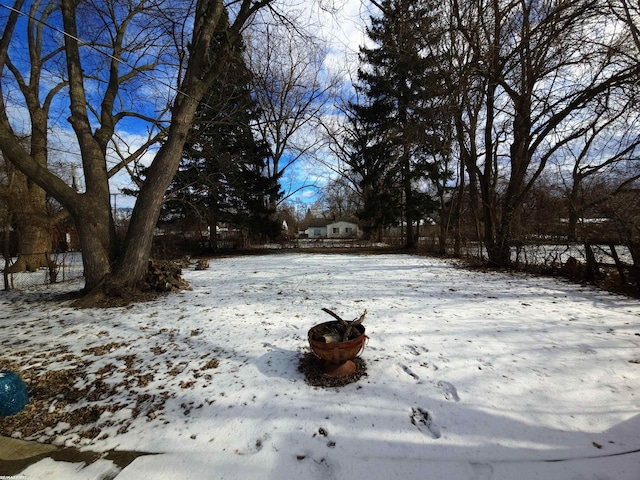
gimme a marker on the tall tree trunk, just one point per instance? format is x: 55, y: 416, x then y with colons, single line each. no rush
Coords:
x: 200, y: 73
x: 574, y: 207
x: 409, y: 207
x: 91, y: 211
x: 132, y: 265
x: 94, y: 233
x: 27, y: 205
x: 457, y: 246
x: 6, y: 252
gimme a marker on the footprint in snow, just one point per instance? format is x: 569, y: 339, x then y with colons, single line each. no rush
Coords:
x: 485, y: 364
x: 448, y: 390
x: 413, y: 350
x: 481, y: 471
x: 253, y: 447
x: 423, y: 420
x: 408, y: 371
x: 428, y: 365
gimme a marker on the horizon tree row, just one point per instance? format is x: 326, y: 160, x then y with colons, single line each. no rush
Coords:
x: 463, y: 105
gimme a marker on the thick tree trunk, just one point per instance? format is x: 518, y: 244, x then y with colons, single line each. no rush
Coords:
x: 34, y: 232
x: 33, y: 225
x: 572, y: 226
x: 96, y: 241
x: 499, y: 253
x: 28, y: 202
x: 488, y: 211
x: 133, y: 263
x: 34, y: 243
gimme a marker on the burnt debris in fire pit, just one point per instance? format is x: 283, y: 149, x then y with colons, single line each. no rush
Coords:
x: 340, y: 331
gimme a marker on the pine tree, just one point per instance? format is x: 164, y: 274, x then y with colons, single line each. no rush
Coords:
x: 221, y: 179
x: 374, y: 174
x: 399, y: 121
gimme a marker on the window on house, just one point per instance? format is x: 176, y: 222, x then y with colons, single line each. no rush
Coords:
x: 335, y: 230
x: 348, y: 230
x: 317, y: 232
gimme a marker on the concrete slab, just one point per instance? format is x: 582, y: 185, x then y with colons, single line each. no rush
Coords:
x: 17, y: 455
x: 14, y: 449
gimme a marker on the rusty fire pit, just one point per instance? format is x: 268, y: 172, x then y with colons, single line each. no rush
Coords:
x: 337, y: 343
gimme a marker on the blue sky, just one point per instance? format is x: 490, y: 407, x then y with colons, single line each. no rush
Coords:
x: 342, y: 28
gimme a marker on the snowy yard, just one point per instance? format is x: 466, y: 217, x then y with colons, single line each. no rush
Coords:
x: 471, y: 375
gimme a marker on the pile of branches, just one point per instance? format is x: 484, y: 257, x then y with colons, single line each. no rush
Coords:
x: 164, y: 276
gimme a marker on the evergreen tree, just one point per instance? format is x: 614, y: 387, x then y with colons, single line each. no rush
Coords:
x: 398, y: 123
x: 221, y: 179
x: 375, y: 176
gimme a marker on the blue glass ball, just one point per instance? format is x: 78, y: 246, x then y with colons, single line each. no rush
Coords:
x: 14, y: 395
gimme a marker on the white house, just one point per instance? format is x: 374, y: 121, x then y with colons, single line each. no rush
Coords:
x: 341, y: 229
x: 331, y: 228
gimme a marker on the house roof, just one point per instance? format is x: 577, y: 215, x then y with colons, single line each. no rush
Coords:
x: 318, y: 222
x: 323, y: 222
x: 346, y: 220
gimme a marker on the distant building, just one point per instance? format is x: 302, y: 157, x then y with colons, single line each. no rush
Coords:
x: 330, y: 228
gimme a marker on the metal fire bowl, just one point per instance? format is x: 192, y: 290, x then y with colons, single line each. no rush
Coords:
x: 337, y: 352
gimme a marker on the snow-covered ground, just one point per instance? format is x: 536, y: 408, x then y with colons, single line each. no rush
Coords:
x: 471, y: 375
x: 68, y: 267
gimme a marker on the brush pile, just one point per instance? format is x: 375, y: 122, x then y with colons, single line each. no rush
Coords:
x: 164, y: 276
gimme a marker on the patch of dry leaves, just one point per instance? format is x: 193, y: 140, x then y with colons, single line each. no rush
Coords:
x: 63, y: 402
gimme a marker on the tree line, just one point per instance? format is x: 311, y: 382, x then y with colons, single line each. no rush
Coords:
x: 464, y: 109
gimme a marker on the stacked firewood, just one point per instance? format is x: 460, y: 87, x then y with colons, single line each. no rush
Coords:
x: 165, y: 276
x: 202, y: 264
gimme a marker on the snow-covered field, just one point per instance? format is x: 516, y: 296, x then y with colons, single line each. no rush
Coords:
x: 471, y: 375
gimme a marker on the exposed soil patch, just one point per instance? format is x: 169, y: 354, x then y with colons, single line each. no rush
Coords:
x: 311, y: 367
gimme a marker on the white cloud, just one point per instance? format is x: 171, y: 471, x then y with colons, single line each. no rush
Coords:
x: 344, y: 30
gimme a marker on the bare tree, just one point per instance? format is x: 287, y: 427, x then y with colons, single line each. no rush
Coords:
x: 628, y: 12
x: 26, y: 201
x: 543, y: 64
x: 465, y: 106
x: 608, y: 148
x: 130, y: 40
x: 294, y: 90
x: 339, y: 199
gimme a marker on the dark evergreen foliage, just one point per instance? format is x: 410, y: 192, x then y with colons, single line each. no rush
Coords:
x: 397, y: 121
x: 222, y: 181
